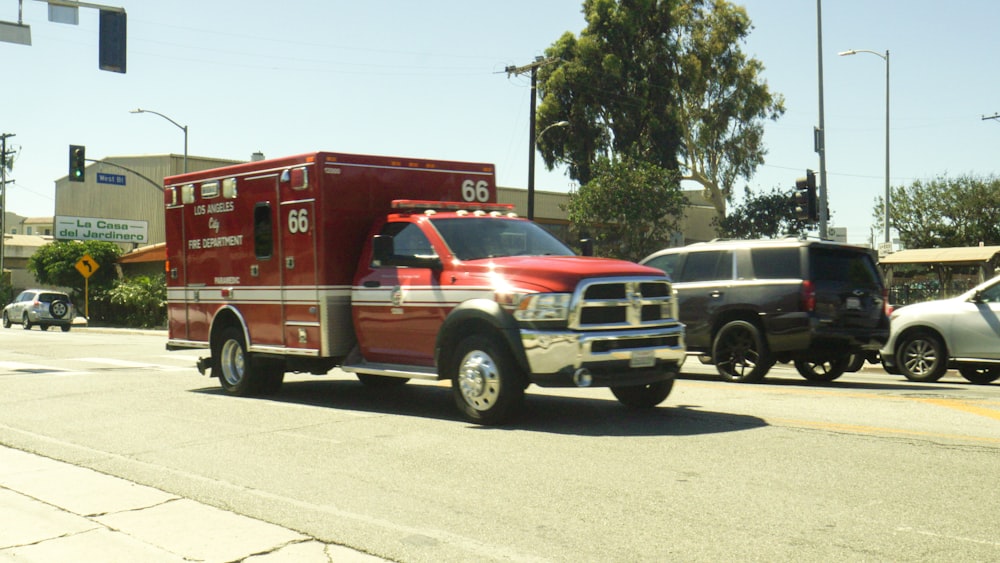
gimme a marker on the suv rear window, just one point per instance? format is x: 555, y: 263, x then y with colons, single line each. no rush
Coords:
x: 776, y: 263
x: 50, y: 297
x: 854, y: 268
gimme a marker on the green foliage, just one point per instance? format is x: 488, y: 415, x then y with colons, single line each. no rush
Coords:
x: 664, y: 81
x: 630, y: 207
x: 723, y: 99
x: 768, y: 215
x: 614, y: 85
x: 944, y: 212
x: 140, y: 301
x: 55, y: 265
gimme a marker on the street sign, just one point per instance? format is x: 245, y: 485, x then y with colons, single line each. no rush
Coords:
x: 113, y: 179
x: 87, y: 266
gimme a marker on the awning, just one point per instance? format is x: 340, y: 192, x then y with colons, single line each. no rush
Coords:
x: 956, y: 255
x: 152, y: 253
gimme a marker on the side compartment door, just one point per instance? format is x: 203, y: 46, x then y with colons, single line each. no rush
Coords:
x: 297, y: 224
x: 176, y: 240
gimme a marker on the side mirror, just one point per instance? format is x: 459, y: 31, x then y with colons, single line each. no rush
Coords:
x: 587, y: 246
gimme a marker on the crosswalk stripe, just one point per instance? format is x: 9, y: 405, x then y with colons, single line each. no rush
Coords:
x: 130, y: 364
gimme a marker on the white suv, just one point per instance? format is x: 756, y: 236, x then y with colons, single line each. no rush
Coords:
x: 925, y: 339
x: 42, y: 307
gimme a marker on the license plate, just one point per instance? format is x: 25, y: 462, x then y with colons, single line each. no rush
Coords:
x: 853, y: 303
x: 642, y: 359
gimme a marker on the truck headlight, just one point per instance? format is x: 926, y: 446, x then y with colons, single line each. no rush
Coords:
x: 535, y: 307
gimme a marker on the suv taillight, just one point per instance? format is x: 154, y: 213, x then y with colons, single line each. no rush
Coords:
x: 807, y: 297
x: 885, y: 301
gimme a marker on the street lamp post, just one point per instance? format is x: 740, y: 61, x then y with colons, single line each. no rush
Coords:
x: 531, y: 163
x: 178, y: 125
x: 884, y: 57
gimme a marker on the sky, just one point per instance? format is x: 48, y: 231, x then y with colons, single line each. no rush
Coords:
x: 427, y: 80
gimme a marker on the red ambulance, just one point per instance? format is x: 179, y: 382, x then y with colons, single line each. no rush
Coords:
x: 398, y: 269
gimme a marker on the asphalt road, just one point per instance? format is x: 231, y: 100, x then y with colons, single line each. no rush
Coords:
x: 870, y: 467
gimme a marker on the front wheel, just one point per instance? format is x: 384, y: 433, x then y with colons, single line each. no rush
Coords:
x: 740, y: 353
x: 823, y: 371
x: 487, y: 385
x: 980, y: 375
x: 643, y: 396
x: 921, y: 357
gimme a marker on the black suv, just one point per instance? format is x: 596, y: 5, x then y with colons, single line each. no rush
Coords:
x: 750, y: 303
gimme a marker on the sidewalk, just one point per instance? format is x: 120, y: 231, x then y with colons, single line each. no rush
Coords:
x: 55, y: 511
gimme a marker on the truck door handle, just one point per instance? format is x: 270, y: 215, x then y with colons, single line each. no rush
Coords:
x: 372, y: 283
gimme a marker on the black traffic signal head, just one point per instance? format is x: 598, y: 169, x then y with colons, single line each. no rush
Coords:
x: 806, y: 201
x: 77, y: 163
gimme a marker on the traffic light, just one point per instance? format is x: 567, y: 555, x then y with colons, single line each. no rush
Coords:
x: 111, y: 47
x: 77, y: 162
x: 806, y: 203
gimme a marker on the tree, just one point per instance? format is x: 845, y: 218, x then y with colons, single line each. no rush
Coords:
x: 658, y: 80
x: 55, y: 264
x: 944, y: 212
x: 615, y: 86
x: 761, y: 216
x: 630, y: 207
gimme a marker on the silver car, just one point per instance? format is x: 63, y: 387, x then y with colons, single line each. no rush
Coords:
x: 42, y: 307
x: 962, y: 333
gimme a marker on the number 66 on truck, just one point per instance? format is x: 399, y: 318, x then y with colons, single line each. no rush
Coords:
x: 397, y: 269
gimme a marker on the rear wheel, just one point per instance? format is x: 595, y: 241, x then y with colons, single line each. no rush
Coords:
x: 643, y: 396
x: 740, y: 353
x: 25, y: 322
x: 241, y: 373
x: 65, y: 328
x: 921, y: 357
x: 980, y: 375
x: 486, y: 383
x: 823, y: 370
x: 855, y: 362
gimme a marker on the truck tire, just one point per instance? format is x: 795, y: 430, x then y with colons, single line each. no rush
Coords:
x: 740, y: 353
x: 237, y: 373
x: 921, y: 357
x: 823, y: 371
x: 485, y: 381
x: 26, y: 322
x: 643, y: 396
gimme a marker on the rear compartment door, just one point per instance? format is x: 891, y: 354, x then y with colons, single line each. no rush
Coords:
x: 848, y: 287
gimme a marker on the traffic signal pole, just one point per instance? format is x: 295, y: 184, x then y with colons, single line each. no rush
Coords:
x: 820, y: 132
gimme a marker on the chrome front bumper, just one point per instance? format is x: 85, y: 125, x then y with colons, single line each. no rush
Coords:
x: 552, y: 352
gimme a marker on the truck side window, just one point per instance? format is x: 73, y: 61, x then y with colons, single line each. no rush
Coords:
x: 263, y: 237
x: 408, y: 241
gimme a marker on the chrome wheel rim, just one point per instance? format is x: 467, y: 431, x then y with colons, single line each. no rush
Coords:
x: 479, y: 380
x: 232, y: 362
x: 920, y: 357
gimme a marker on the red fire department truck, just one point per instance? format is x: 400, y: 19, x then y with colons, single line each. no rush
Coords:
x: 397, y: 269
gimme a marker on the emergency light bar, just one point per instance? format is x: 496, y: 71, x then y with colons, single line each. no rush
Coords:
x: 451, y: 205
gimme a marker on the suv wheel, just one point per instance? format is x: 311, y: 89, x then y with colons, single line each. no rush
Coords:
x: 824, y: 370
x: 921, y: 357
x: 26, y: 322
x: 980, y: 375
x: 740, y: 353
x: 6, y: 320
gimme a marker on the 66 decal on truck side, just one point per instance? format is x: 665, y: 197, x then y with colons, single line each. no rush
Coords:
x: 399, y: 269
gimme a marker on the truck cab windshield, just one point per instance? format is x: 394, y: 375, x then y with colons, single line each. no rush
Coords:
x: 474, y: 238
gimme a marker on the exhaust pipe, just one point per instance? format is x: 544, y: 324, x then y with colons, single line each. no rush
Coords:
x: 583, y: 378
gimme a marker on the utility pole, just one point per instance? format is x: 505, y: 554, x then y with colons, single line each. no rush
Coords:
x: 533, y: 69
x: 3, y: 200
x: 819, y: 134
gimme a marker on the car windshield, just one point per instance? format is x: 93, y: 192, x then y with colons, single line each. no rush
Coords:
x: 473, y: 238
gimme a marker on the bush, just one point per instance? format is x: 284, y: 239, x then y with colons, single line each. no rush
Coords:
x: 139, y: 302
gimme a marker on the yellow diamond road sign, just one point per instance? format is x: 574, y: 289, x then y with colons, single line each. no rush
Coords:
x: 87, y: 266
